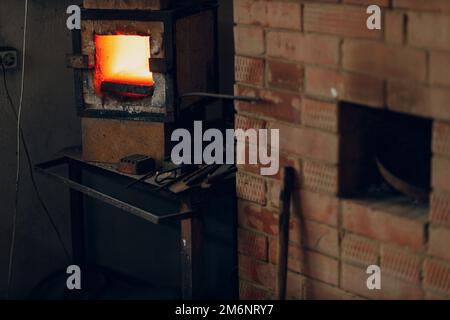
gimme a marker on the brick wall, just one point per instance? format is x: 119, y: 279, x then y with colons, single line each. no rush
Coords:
x: 303, y: 58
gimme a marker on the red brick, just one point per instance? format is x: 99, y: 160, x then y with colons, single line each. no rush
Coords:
x: 359, y: 250
x: 250, y: 12
x: 294, y: 286
x: 288, y: 76
x: 251, y: 188
x: 274, y: 14
x: 257, y: 218
x: 395, y: 27
x: 418, y: 100
x: 349, y: 87
x: 308, y: 48
x: 441, y: 138
x: 248, y: 167
x: 381, y: 3
x: 308, y: 205
x: 316, y: 290
x: 248, y: 291
x: 354, y: 279
x: 273, y: 193
x: 249, y: 40
x: 420, y: 5
x: 440, y: 208
x: 383, y: 60
x: 316, y: 236
x: 438, y: 245
x: 437, y: 276
x: 316, y: 206
x: 309, y: 263
x: 314, y: 144
x: 260, y: 272
x: 285, y: 161
x: 249, y: 70
x: 407, y: 98
x: 252, y: 244
x: 441, y: 173
x: 347, y: 21
x: 429, y: 30
x: 320, y: 267
x: 320, y: 114
x: 435, y: 296
x: 383, y: 225
x: 400, y: 264
x: 245, y: 123
x: 277, y: 105
x: 440, y: 68
x: 320, y: 177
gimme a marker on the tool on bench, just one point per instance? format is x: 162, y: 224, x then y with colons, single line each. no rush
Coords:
x: 283, y: 232
x: 196, y: 178
x: 143, y: 178
x: 220, y: 174
x: 171, y: 176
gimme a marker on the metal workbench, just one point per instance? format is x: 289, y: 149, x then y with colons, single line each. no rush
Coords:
x: 189, y: 213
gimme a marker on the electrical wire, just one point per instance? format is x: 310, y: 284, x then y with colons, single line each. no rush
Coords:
x: 21, y: 139
x: 13, y: 235
x: 30, y: 165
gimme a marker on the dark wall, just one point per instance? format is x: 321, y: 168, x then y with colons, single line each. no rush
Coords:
x: 50, y: 124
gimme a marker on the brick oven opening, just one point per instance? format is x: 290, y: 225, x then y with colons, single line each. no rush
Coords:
x: 391, y: 154
x: 122, y: 66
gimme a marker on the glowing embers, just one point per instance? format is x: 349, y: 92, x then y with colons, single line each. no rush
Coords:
x: 122, y: 65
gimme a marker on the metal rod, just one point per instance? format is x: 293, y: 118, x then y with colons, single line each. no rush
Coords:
x: 283, y: 232
x: 221, y: 96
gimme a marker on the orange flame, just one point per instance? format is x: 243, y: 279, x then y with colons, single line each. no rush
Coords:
x: 122, y: 59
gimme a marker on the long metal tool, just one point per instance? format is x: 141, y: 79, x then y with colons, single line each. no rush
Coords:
x: 283, y: 228
x: 418, y: 193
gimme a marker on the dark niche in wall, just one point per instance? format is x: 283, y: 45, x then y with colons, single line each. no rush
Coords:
x: 389, y: 152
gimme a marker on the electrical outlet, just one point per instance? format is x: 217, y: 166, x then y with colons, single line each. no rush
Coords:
x: 8, y: 58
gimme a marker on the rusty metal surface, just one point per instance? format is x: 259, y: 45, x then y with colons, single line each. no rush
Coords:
x: 401, y: 185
